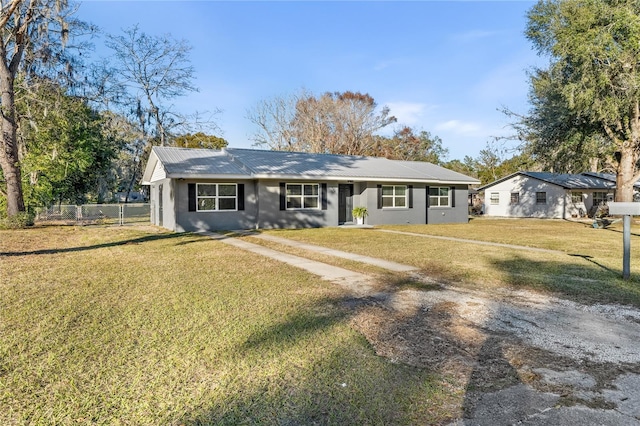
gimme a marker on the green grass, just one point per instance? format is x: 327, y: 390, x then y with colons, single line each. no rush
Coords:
x: 588, y: 267
x: 126, y: 326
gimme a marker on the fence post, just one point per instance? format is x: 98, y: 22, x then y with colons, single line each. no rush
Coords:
x: 121, y: 214
x: 78, y: 214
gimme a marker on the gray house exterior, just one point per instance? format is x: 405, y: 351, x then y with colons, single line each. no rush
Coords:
x: 547, y: 195
x: 201, y: 189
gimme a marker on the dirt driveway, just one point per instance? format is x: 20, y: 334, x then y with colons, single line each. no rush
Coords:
x: 516, y: 357
x: 511, y: 357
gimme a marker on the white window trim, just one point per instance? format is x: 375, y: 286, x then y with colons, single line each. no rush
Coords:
x: 394, y: 196
x: 494, y: 201
x: 511, y: 196
x: 302, y: 196
x: 217, y: 197
x: 448, y: 196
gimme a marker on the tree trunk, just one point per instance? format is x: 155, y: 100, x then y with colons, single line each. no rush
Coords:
x: 625, y: 174
x: 9, y: 159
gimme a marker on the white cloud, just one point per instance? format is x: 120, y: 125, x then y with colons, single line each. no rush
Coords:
x: 460, y: 127
x: 409, y: 113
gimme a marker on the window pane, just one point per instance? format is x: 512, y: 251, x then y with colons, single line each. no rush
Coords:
x: 294, y: 202
x: 294, y: 189
x: 227, y: 190
x: 443, y: 191
x: 401, y: 201
x: 387, y: 190
x: 206, y: 204
x: 401, y: 190
x: 311, y: 190
x: 387, y: 202
x: 206, y: 190
x: 311, y: 202
x: 444, y: 201
x: 433, y: 190
x: 227, y: 204
x: 434, y: 201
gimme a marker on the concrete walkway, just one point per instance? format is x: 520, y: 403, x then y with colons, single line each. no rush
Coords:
x: 360, y: 284
x: 463, y: 240
x: 381, y: 263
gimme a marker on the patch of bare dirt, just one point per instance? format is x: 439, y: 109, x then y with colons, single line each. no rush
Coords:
x: 461, y: 339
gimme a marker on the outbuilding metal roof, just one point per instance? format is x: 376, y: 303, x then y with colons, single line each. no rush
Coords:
x: 565, y: 180
x: 253, y: 163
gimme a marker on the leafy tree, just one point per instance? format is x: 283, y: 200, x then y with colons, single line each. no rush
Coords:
x: 66, y: 154
x: 32, y: 33
x: 560, y: 139
x: 593, y: 78
x: 495, y: 162
x: 338, y: 122
x: 405, y: 144
x: 466, y: 166
x: 199, y: 140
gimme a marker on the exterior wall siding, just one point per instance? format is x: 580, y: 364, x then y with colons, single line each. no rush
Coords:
x: 262, y: 207
x: 216, y: 220
x: 270, y: 215
x: 557, y: 203
x: 457, y: 214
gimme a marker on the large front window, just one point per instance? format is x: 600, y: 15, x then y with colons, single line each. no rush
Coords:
x: 439, y: 196
x: 394, y: 196
x: 303, y: 196
x: 216, y: 196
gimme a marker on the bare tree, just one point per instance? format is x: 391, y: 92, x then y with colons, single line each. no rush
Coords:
x: 154, y: 70
x: 32, y: 32
x: 339, y: 123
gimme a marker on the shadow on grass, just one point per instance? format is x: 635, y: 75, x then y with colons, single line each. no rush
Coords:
x: 141, y: 240
x: 310, y: 369
x: 588, y: 283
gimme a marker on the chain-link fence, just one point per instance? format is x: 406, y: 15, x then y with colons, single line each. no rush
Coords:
x: 95, y: 214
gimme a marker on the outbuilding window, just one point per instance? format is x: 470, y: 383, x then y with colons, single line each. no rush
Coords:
x: 394, y: 196
x: 515, y: 198
x: 216, y: 196
x: 303, y: 196
x: 494, y: 198
x: 576, y: 197
x: 541, y: 198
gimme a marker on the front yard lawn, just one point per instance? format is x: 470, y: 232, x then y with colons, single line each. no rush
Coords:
x: 125, y: 326
x: 587, y: 269
x: 139, y: 326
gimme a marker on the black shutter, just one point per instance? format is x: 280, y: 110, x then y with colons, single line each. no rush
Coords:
x: 453, y: 196
x: 428, y: 199
x: 192, y: 197
x: 283, y: 196
x: 241, y: 196
x: 410, y: 189
x: 379, y: 196
x: 323, y: 194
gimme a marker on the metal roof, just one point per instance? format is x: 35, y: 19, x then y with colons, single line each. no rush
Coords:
x: 565, y: 180
x: 608, y: 176
x: 253, y: 163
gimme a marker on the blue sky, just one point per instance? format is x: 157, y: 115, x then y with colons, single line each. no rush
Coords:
x: 445, y: 67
